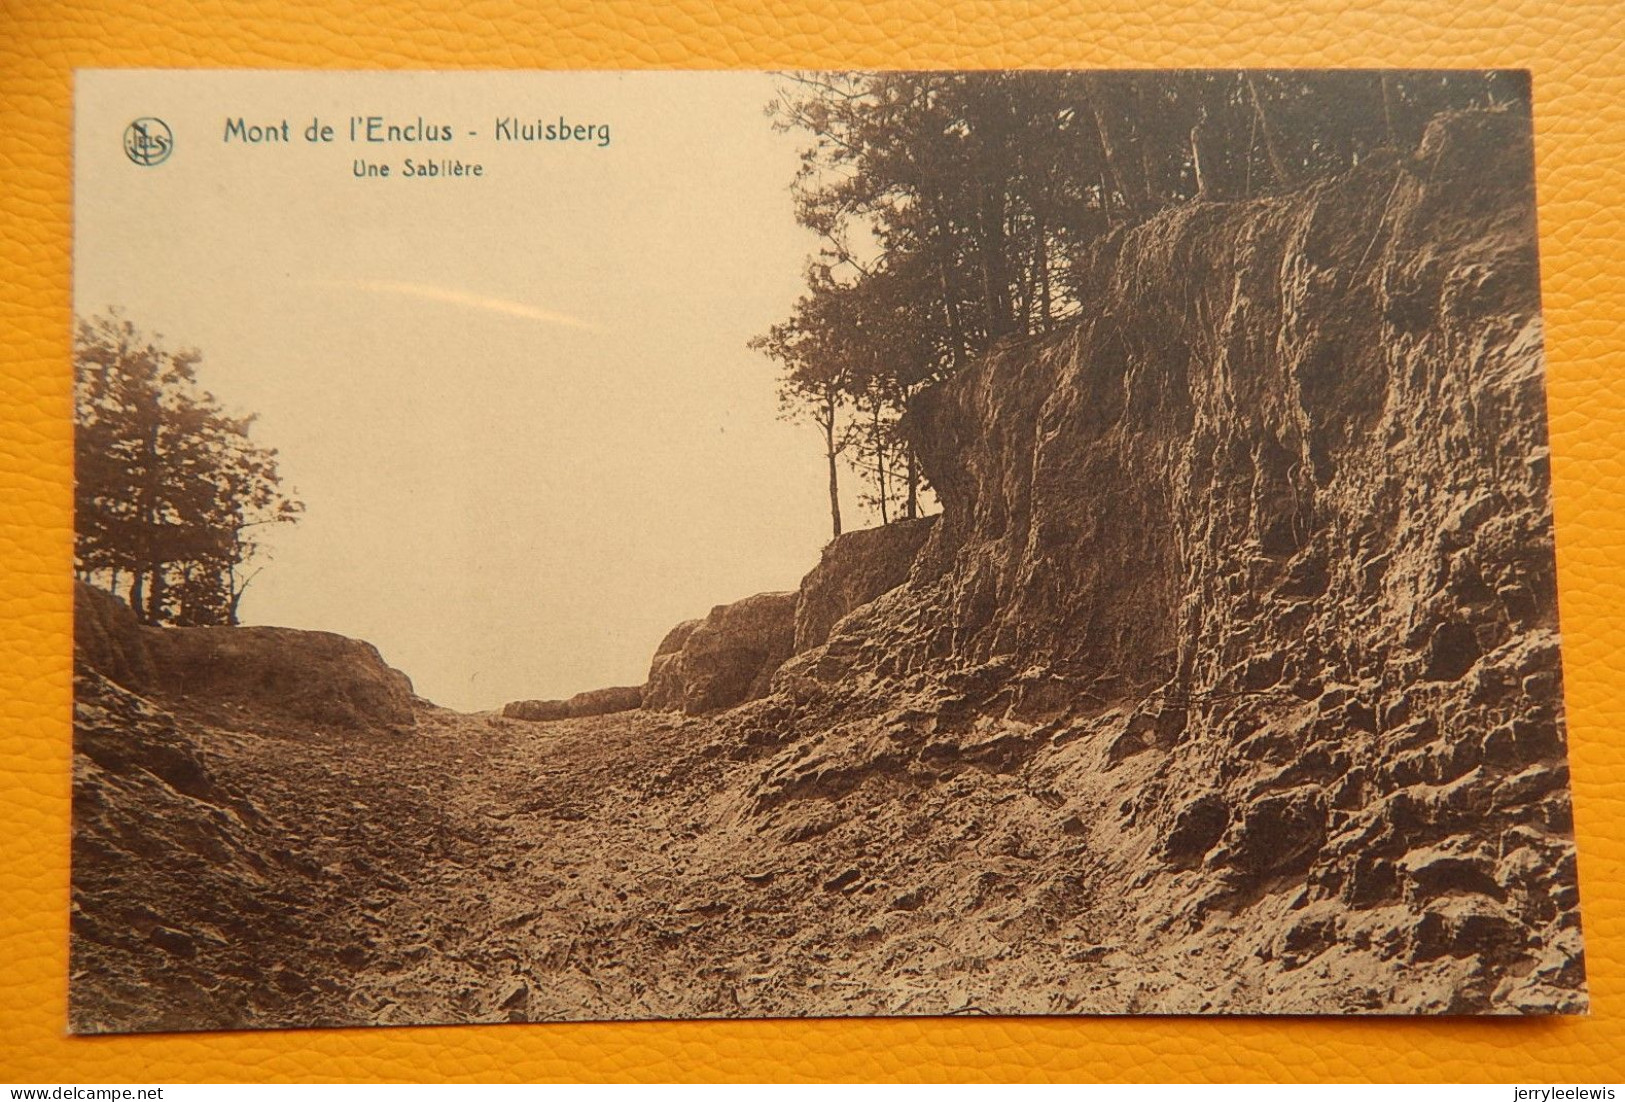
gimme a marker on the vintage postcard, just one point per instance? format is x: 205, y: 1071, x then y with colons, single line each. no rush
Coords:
x: 579, y: 546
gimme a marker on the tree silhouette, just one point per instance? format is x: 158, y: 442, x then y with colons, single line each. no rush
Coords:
x: 814, y: 347
x: 169, y: 491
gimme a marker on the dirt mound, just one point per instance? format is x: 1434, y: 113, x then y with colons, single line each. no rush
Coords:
x: 226, y: 878
x: 109, y: 639
x: 278, y: 674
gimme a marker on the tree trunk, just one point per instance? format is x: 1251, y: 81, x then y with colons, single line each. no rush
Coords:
x: 1115, y: 163
x: 138, y: 597
x: 143, y: 601
x: 155, y: 596
x: 1277, y: 165
x: 1026, y: 297
x: 1149, y: 169
x: 995, y: 284
x: 880, y: 460
x: 1044, y: 304
x: 1388, y: 111
x: 956, y: 332
x: 950, y: 304
x: 830, y: 453
x: 913, y: 504
x: 1252, y: 146
x: 1199, y: 167
x: 990, y: 126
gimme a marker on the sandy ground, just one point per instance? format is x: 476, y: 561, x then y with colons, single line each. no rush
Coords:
x: 236, y: 873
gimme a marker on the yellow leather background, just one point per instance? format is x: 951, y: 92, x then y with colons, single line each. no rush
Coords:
x: 1575, y: 51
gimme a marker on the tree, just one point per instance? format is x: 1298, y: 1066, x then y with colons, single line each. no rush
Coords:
x: 811, y: 346
x: 958, y: 210
x: 169, y: 490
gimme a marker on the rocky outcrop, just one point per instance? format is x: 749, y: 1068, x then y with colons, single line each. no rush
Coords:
x: 664, y: 684
x: 731, y: 656
x: 854, y: 569
x: 595, y: 702
x: 279, y: 674
x: 537, y: 711
x: 725, y: 659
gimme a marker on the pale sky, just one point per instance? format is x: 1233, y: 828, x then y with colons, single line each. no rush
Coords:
x: 520, y: 409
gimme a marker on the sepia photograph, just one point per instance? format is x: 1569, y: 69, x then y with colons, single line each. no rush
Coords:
x: 584, y: 546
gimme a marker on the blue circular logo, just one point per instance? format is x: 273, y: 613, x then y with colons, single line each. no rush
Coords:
x: 148, y: 142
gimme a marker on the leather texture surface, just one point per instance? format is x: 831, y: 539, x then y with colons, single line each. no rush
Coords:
x: 1575, y: 52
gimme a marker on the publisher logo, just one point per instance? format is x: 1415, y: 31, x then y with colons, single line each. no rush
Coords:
x: 148, y: 142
